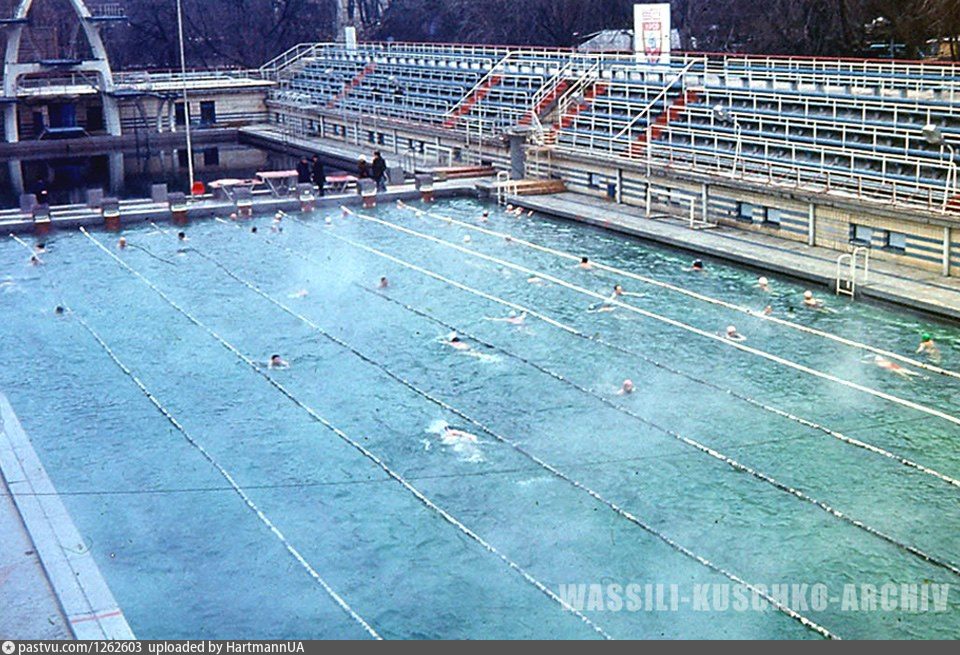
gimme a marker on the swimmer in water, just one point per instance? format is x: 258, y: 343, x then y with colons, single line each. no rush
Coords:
x: 253, y: 230
x: 453, y: 340
x: 512, y: 319
x: 617, y: 292
x: 384, y: 283
x: 485, y: 217
x: 59, y: 310
x: 40, y: 248
x: 810, y: 301
x: 697, y: 266
x: 893, y: 367
x: 277, y: 362
x: 585, y: 263
x: 467, y: 239
x: 764, y: 284
x: 929, y: 348
x: 535, y: 280
x: 233, y: 216
x: 626, y: 388
x: 768, y: 310
x: 35, y: 261
x: 122, y: 243
x: 182, y: 236
x: 733, y: 335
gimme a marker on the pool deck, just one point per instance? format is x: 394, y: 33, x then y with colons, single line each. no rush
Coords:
x: 905, y: 286
x: 50, y: 586
x: 141, y: 211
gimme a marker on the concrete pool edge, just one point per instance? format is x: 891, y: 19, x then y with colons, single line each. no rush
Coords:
x: 82, y: 593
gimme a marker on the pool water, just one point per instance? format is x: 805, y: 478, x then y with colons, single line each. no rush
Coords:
x: 186, y: 558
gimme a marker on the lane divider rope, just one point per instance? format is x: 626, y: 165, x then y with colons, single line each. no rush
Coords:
x: 666, y: 320
x: 224, y: 473
x: 711, y: 452
x: 420, y: 496
x: 633, y: 353
x: 691, y: 294
x: 489, y: 431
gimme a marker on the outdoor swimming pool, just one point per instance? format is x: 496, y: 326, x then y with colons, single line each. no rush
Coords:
x: 790, y: 458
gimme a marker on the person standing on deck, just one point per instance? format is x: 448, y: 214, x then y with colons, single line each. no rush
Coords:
x: 303, y: 171
x: 363, y: 169
x: 319, y: 175
x: 378, y: 171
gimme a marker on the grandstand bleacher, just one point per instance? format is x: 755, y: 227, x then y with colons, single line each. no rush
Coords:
x: 849, y: 127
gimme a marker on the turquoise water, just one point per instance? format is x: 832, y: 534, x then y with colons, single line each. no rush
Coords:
x: 185, y: 557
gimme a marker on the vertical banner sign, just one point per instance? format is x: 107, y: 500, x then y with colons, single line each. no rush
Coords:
x: 652, y: 32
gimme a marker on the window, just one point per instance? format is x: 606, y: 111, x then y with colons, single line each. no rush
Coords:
x: 180, y: 114
x: 95, y: 122
x: 861, y: 235
x: 371, y: 137
x: 381, y: 139
x: 211, y: 157
x: 774, y: 218
x: 896, y: 242
x: 745, y: 212
x: 208, y: 112
x: 182, y: 158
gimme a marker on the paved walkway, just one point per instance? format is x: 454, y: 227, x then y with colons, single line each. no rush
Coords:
x: 30, y: 608
x: 52, y: 584
x: 910, y: 287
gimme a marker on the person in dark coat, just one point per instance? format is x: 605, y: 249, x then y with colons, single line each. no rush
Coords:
x: 319, y: 174
x: 303, y: 171
x: 378, y: 171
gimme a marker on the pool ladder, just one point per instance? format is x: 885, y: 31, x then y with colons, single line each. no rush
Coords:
x: 847, y: 269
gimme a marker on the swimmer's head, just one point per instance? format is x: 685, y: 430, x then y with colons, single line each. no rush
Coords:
x: 512, y: 314
x: 467, y: 239
x: 697, y: 264
x: 233, y: 216
x: 59, y: 310
x: 182, y: 236
x: 122, y: 242
x: 41, y: 246
x: 628, y: 386
x: 808, y: 295
x: 486, y: 214
x: 926, y: 336
x: 731, y: 330
x: 453, y: 337
x: 763, y: 282
x: 275, y: 360
x: 328, y: 220
x: 584, y: 260
x: 253, y: 230
x: 617, y: 289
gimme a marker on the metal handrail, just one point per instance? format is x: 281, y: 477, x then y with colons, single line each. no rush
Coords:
x: 650, y: 105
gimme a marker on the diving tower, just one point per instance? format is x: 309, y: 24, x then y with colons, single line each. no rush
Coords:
x: 53, y: 83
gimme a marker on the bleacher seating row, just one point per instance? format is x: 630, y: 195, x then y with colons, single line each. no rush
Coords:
x: 843, y: 124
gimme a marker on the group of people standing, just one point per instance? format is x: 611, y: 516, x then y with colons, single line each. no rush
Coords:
x: 313, y: 172
x: 375, y: 170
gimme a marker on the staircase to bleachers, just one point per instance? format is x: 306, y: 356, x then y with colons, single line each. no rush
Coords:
x: 481, y: 91
x: 577, y: 104
x: 356, y: 81
x: 678, y: 105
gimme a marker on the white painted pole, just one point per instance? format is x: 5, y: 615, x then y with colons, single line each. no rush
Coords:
x: 186, y: 99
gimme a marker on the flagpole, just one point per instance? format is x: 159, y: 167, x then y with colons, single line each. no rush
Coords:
x: 186, y: 99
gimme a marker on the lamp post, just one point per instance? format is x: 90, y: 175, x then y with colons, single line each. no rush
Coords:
x: 934, y: 136
x: 723, y: 114
x: 186, y: 99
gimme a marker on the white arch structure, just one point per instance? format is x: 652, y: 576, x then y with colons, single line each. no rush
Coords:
x: 14, y: 69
